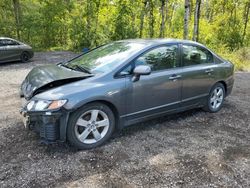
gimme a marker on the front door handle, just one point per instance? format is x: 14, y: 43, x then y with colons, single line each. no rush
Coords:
x: 209, y: 70
x: 174, y: 77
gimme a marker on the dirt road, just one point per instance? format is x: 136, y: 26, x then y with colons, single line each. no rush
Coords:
x: 190, y: 149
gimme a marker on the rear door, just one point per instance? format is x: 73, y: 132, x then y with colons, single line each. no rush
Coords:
x: 158, y: 92
x: 198, y: 74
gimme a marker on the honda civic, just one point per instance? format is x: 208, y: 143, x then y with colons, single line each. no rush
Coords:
x: 85, y: 99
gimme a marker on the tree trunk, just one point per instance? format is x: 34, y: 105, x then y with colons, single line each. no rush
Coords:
x: 17, y: 13
x: 186, y: 19
x: 246, y: 20
x: 151, y: 20
x: 166, y: 12
x: 171, y: 15
x: 142, y: 17
x: 196, y: 20
x: 89, y: 16
x: 162, y: 27
x: 96, y: 21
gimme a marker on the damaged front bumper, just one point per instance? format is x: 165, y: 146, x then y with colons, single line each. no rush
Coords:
x: 50, y: 125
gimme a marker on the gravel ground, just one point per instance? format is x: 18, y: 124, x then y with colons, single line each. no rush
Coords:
x: 190, y: 149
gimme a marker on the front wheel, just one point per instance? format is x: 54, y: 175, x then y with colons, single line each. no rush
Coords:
x: 90, y: 126
x: 216, y: 98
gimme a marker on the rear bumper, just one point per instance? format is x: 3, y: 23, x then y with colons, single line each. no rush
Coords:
x: 51, y: 126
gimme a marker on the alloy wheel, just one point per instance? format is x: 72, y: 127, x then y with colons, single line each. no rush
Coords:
x: 92, y: 126
x: 216, y: 98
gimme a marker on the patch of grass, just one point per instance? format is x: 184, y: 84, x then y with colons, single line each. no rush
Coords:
x: 240, y: 58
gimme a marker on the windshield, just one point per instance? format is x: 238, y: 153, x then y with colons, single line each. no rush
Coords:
x: 107, y: 57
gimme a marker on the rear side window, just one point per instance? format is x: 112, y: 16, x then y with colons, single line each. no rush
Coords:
x: 194, y: 55
x: 160, y: 58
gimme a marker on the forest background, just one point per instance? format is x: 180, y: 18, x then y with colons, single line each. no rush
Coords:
x: 222, y: 25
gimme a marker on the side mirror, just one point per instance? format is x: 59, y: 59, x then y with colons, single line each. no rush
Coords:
x: 140, y: 70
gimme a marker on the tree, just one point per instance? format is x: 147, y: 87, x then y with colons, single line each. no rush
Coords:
x: 17, y: 13
x: 123, y: 28
x: 186, y: 18
x: 246, y: 12
x: 196, y: 20
x: 163, y: 17
x: 143, y: 12
x: 151, y: 19
x: 75, y: 24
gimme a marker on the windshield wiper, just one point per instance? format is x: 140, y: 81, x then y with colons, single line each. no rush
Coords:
x: 83, y: 69
x: 75, y: 68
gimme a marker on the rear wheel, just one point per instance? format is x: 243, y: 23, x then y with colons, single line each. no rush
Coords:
x: 215, y: 98
x: 90, y: 126
x: 25, y: 57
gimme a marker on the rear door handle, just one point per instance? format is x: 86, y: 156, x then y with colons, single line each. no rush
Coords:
x: 209, y: 70
x: 174, y: 77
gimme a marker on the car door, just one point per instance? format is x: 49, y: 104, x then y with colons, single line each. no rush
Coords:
x: 198, y: 73
x: 13, y: 51
x: 158, y: 92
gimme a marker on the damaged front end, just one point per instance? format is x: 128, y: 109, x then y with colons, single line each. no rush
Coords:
x: 46, y: 77
x: 47, y: 126
x: 47, y: 117
x: 50, y: 122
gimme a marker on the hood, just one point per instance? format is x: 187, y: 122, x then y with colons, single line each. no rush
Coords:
x: 42, y: 78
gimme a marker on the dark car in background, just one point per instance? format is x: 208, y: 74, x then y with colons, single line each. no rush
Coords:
x: 124, y: 82
x: 13, y: 50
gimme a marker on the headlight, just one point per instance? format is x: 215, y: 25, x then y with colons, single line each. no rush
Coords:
x: 30, y: 105
x: 40, y: 105
x: 56, y: 104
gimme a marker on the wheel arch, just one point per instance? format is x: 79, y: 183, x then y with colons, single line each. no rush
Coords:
x: 224, y: 84
x: 110, y: 105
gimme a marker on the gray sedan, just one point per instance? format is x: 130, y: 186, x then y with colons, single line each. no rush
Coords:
x: 13, y: 50
x: 119, y: 84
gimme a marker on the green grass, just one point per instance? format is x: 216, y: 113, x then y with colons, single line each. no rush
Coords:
x: 240, y: 58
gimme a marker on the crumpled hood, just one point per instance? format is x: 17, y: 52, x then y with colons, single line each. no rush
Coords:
x: 42, y: 78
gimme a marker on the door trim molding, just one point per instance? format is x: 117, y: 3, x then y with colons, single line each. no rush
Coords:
x: 165, y: 105
x: 149, y: 109
x: 196, y: 97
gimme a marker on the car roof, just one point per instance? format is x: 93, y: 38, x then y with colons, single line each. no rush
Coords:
x: 160, y: 41
x: 6, y: 38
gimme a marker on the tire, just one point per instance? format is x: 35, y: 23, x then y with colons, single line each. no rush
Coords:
x: 215, y: 98
x: 25, y: 57
x: 90, y: 126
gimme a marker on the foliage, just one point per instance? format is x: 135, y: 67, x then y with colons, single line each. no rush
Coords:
x: 75, y: 24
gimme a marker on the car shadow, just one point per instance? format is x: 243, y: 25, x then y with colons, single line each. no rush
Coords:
x: 9, y: 63
x: 13, y: 63
x: 156, y: 122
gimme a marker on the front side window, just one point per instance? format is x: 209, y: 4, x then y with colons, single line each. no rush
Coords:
x: 164, y: 57
x: 194, y: 55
